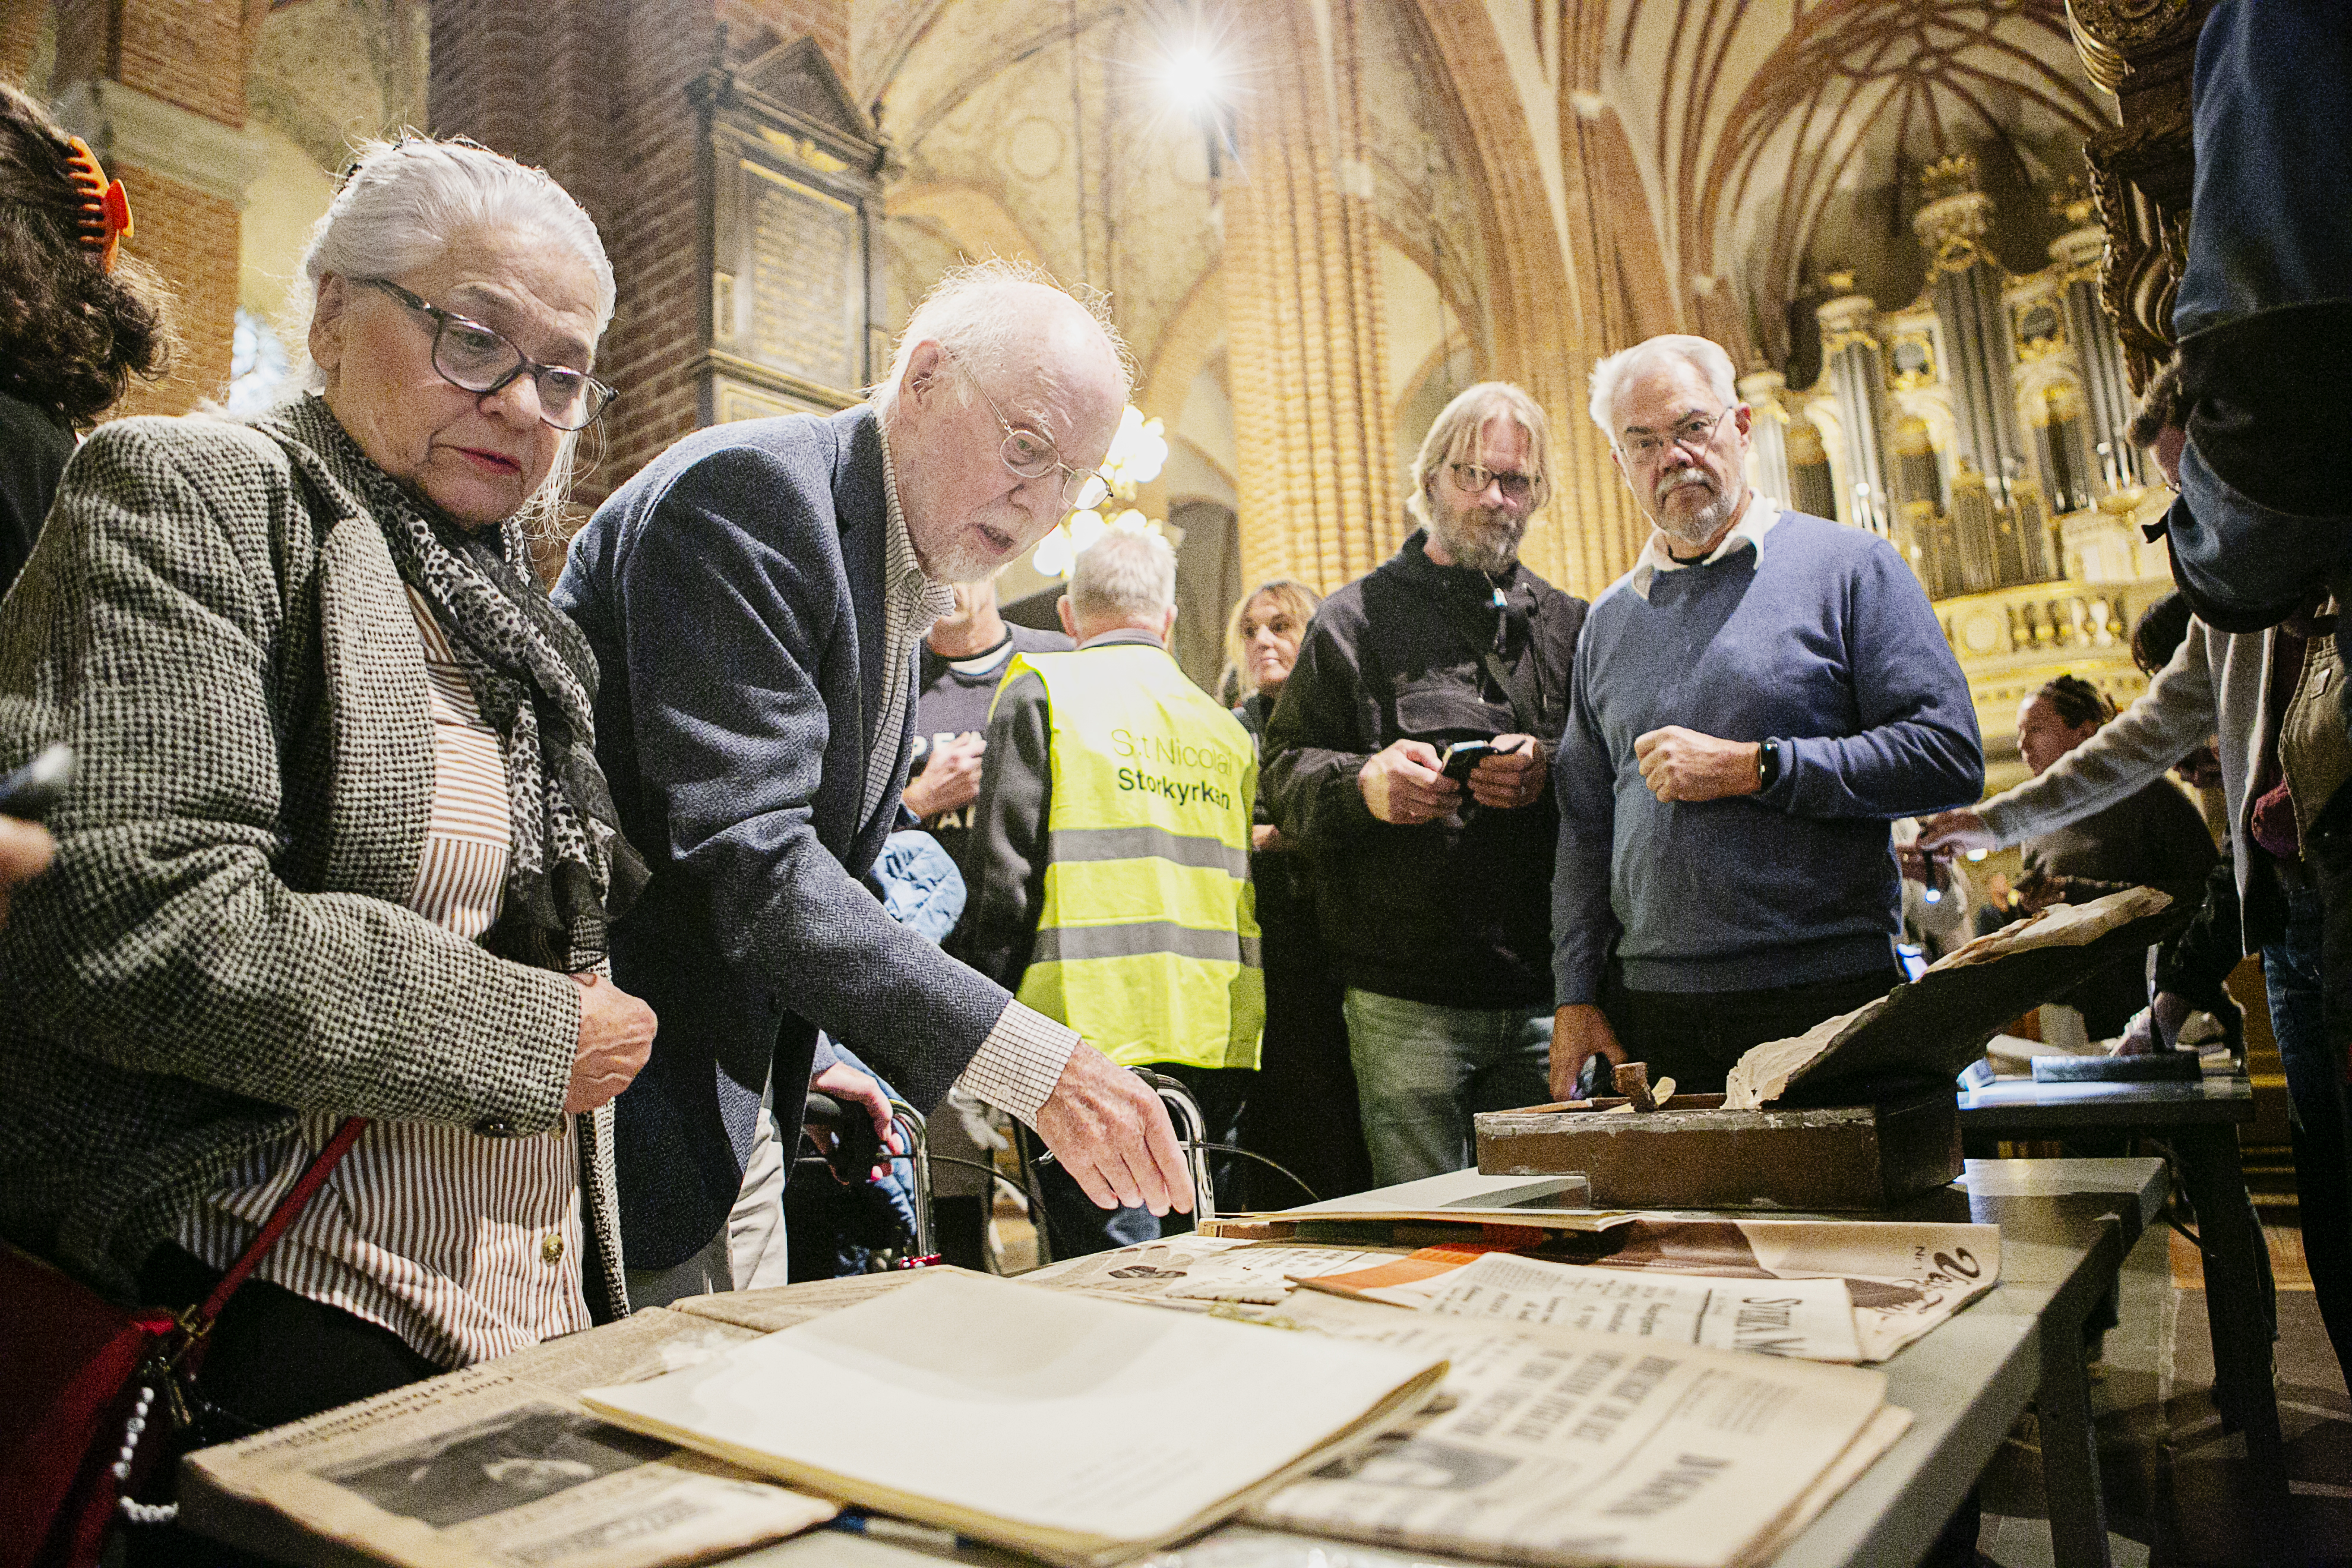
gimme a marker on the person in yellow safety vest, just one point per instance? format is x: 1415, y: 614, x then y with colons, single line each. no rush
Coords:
x: 1108, y: 861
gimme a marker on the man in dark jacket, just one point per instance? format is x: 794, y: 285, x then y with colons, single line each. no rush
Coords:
x: 1431, y: 889
x: 754, y: 596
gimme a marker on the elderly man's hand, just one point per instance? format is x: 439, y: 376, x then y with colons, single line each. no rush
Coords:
x: 950, y: 779
x: 1509, y: 779
x: 25, y: 849
x: 1403, y: 783
x: 1955, y: 832
x: 1578, y: 1033
x: 1110, y: 1133
x: 1683, y: 764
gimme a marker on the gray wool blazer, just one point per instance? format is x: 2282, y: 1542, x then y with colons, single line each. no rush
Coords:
x: 222, y: 943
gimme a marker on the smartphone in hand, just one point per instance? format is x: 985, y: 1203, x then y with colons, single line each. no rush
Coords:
x: 1463, y: 755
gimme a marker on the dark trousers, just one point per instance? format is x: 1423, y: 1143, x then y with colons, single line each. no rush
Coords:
x: 1075, y: 1227
x: 1302, y: 1112
x: 2294, y: 975
x: 1696, y: 1037
x: 273, y: 1357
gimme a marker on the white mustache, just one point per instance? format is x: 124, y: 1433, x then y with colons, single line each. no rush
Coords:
x: 1676, y: 480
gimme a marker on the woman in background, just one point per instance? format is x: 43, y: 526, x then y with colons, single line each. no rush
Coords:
x: 1302, y: 1110
x: 2155, y: 837
x: 78, y: 318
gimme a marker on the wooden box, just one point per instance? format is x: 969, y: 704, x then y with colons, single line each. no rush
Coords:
x: 1859, y: 1113
x: 1696, y: 1155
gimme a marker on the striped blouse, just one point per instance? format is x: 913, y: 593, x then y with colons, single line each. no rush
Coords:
x: 466, y: 1246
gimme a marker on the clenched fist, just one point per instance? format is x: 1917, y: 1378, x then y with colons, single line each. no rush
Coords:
x: 1683, y: 764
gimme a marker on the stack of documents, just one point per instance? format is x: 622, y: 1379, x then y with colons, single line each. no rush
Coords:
x: 1078, y: 1430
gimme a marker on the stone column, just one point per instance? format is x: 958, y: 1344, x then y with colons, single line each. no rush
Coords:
x: 1319, y: 483
x: 1768, y: 432
x: 157, y: 89
x: 1857, y: 372
x: 2106, y: 392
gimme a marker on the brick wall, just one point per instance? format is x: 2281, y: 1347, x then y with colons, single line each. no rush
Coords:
x: 192, y: 239
x: 191, y: 53
x: 826, y: 21
x: 598, y: 94
x: 20, y: 35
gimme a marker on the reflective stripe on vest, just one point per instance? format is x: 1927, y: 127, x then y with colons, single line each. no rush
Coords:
x: 1147, y: 936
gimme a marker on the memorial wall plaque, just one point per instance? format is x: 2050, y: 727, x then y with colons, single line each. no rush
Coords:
x: 791, y: 241
x: 807, y: 280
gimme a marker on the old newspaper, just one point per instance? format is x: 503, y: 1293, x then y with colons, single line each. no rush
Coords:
x: 498, y: 1465
x: 1561, y: 1446
x: 1897, y: 1281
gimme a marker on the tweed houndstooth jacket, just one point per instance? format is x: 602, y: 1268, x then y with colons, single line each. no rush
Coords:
x: 213, y: 620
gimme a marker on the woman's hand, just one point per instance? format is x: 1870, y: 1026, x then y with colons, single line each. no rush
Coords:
x: 616, y: 1035
x: 847, y: 1084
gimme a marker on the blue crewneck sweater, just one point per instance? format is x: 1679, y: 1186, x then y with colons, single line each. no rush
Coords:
x: 1820, y: 638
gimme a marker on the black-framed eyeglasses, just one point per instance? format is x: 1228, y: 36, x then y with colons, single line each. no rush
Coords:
x: 1694, y: 435
x: 1472, y: 479
x: 1031, y: 455
x: 473, y: 357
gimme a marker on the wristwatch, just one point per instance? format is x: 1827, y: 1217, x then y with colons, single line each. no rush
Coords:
x: 1768, y: 766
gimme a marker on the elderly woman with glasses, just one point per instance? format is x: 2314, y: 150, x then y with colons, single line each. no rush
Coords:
x: 338, y: 846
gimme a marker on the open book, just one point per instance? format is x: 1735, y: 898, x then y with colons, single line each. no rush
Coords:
x: 1939, y: 1024
x: 1110, y: 1429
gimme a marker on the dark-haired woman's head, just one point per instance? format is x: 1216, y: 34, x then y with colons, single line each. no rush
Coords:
x: 2059, y: 717
x: 2157, y: 635
x: 72, y: 333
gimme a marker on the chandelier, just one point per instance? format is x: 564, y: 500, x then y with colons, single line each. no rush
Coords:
x: 1136, y: 455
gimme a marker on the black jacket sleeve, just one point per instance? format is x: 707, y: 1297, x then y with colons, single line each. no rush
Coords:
x: 1006, y: 853
x: 1315, y: 744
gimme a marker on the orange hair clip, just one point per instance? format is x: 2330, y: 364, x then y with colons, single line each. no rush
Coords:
x: 105, y: 205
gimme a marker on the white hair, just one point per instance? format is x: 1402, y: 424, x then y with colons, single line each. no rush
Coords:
x: 1611, y: 373
x: 984, y: 313
x: 401, y: 205
x: 1453, y: 437
x: 1123, y: 577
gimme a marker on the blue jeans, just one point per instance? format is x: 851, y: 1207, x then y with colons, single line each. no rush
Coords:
x: 2322, y: 1122
x: 1423, y: 1069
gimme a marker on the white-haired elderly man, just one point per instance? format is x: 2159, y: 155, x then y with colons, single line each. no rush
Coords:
x: 1755, y: 701
x: 1108, y: 859
x: 1430, y: 881
x: 755, y: 597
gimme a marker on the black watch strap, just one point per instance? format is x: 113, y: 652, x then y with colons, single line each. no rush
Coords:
x: 1768, y: 766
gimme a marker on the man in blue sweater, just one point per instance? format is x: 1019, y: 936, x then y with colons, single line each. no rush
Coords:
x: 1751, y: 705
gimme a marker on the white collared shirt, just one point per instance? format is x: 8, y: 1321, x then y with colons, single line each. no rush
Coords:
x: 1753, y: 524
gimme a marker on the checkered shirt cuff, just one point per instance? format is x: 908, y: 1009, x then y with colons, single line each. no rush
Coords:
x: 1018, y: 1065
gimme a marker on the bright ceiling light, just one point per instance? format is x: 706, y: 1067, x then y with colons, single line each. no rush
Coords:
x: 1192, y: 76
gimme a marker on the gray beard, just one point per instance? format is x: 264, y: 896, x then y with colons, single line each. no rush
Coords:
x: 1491, y: 551
x: 1697, y: 528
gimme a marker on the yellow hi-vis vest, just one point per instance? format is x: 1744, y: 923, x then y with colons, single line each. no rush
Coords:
x: 1147, y: 938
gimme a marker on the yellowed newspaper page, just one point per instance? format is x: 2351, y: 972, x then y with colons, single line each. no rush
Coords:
x: 1559, y: 1446
x: 1812, y: 1318
x: 496, y: 1467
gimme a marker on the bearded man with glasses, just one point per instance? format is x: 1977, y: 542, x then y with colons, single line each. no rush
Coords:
x: 1755, y: 701
x: 756, y: 596
x: 1431, y: 882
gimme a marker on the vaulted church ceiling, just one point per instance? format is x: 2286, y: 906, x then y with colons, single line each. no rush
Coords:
x: 1781, y: 139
